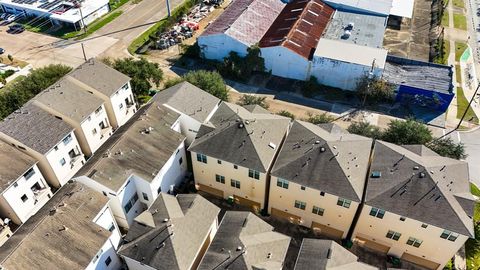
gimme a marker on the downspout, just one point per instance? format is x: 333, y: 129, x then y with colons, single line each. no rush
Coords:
x: 364, y: 193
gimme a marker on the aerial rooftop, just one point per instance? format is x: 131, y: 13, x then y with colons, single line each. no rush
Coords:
x: 414, y: 182
x: 13, y: 164
x: 244, y: 241
x: 61, y: 235
x: 188, y: 99
x: 379, y: 7
x: 246, y: 20
x: 69, y: 98
x: 240, y: 137
x: 171, y: 233
x: 142, y: 147
x: 418, y: 74
x: 311, y: 150
x: 99, y: 76
x: 35, y: 128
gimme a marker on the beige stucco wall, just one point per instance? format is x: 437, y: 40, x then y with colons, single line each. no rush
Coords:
x: 251, y: 189
x: 433, y: 248
x: 335, y: 216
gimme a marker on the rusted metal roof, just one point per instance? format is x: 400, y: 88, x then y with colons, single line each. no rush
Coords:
x: 246, y: 20
x: 299, y: 27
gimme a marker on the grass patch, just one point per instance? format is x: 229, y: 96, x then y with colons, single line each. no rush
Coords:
x: 460, y: 47
x: 458, y: 74
x: 97, y: 24
x: 474, y: 190
x: 161, y: 26
x: 15, y: 63
x: 459, y: 3
x: 446, y: 19
x: 443, y: 50
x: 459, y: 21
x: 114, y: 4
x: 462, y: 104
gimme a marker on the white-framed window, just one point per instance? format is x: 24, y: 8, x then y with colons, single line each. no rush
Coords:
x: 67, y: 139
x: 201, y: 158
x: 414, y: 242
x: 300, y: 205
x: 393, y: 235
x: 318, y: 210
x: 220, y: 178
x: 344, y: 202
x: 120, y: 106
x: 282, y: 183
x: 24, y: 198
x: 94, y: 131
x: 446, y: 234
x: 98, y: 110
x: 235, y: 183
x: 62, y: 161
x: 108, y: 261
x: 130, y: 203
x: 145, y: 196
x: 253, y: 174
x: 377, y: 212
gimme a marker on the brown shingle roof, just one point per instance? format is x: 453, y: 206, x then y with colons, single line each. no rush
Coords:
x: 299, y: 27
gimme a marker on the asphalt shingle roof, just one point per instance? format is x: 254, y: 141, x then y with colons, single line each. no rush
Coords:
x: 13, y: 164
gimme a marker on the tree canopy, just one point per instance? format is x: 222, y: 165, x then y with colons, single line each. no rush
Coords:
x: 365, y: 129
x: 374, y: 90
x: 209, y: 81
x: 319, y: 118
x: 407, y: 132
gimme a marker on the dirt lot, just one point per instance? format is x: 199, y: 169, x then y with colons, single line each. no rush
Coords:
x: 412, y: 39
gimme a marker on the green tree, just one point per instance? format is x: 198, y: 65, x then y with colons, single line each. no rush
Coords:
x: 365, y: 129
x: 144, y: 74
x: 373, y: 90
x: 319, y: 118
x: 448, y: 148
x: 253, y: 100
x: 209, y: 81
x: 286, y: 114
x: 241, y: 68
x: 407, y: 132
x: 310, y: 88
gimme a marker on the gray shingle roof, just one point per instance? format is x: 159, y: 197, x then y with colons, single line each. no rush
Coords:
x: 256, y: 239
x: 327, y: 255
x: 99, y: 76
x: 254, y: 108
x: 171, y: 232
x: 41, y: 244
x: 13, y: 164
x: 431, y: 189
x: 142, y: 153
x: 325, y: 158
x: 241, y: 137
x: 188, y: 99
x: 35, y: 128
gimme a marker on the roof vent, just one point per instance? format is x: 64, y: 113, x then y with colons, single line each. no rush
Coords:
x: 416, y: 168
x: 350, y: 26
x: 317, y: 142
x: 239, y: 248
x: 269, y: 255
x: 322, y: 149
x: 240, y: 125
x: 376, y: 174
x: 346, y: 34
x: 165, y: 220
x: 329, y: 253
x: 272, y: 145
x: 247, y: 122
x: 422, y: 175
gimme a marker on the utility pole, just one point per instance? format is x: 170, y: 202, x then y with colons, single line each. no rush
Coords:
x: 79, y: 6
x: 168, y: 7
x: 83, y: 50
x: 468, y: 107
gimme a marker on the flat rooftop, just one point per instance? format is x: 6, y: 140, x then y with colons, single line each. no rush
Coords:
x: 381, y: 7
x: 142, y: 147
x: 418, y: 74
x: 368, y: 30
x: 350, y: 53
x: 13, y: 164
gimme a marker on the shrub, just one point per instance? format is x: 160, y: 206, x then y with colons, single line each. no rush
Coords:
x: 286, y: 114
x: 253, y: 100
x: 365, y: 129
x: 320, y: 118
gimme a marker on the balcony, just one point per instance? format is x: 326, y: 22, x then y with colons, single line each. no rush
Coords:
x: 130, y: 104
x: 105, y: 132
x: 39, y: 195
x: 74, y: 160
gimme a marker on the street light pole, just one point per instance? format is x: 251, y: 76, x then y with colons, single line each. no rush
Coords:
x: 468, y: 107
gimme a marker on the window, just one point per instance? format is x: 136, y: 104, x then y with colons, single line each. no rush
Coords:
x: 322, y: 193
x: 402, y: 218
x: 414, y: 242
x: 219, y: 161
x: 29, y: 173
x: 376, y: 212
x: 120, y: 106
x: 253, y: 174
x: 108, y: 261
x: 344, y: 202
x: 55, y: 148
x: 97, y: 111
x: 235, y: 166
x: 111, y: 228
x: 180, y: 161
x: 24, y: 198
x: 446, y: 234
x: 89, y: 118
x: 130, y: 203
x: 302, y: 188
x: 282, y: 183
x: 201, y: 158
x: 62, y: 161
x: 235, y: 183
x: 220, y: 178
x: 145, y: 196
x: 393, y: 235
x: 94, y: 131
x: 15, y: 184
x: 67, y: 139
x: 424, y: 225
x: 318, y: 211
x: 300, y: 205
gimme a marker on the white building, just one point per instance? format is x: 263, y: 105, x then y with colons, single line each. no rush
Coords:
x: 65, y: 13
x: 74, y: 230
x: 418, y: 205
x: 47, y: 139
x: 318, y: 178
x: 23, y: 189
x: 173, y: 233
x: 81, y: 109
x: 234, y: 152
x: 143, y: 158
x: 194, y: 105
x: 111, y: 86
x: 241, y: 25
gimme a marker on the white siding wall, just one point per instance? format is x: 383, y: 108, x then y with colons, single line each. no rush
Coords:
x: 217, y: 47
x: 285, y: 63
x: 24, y: 210
x: 120, y: 110
x: 433, y: 248
x: 96, y: 140
x: 340, y: 74
x: 106, y: 220
x: 135, y: 265
x: 106, y: 251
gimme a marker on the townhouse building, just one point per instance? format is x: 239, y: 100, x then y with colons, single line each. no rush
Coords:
x: 143, y: 158
x: 174, y: 233
x: 74, y: 230
x: 47, y: 139
x: 81, y: 109
x: 5, y: 232
x: 194, y: 105
x: 244, y: 241
x: 418, y: 205
x: 23, y: 189
x: 233, y: 153
x: 111, y: 86
x: 318, y: 178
